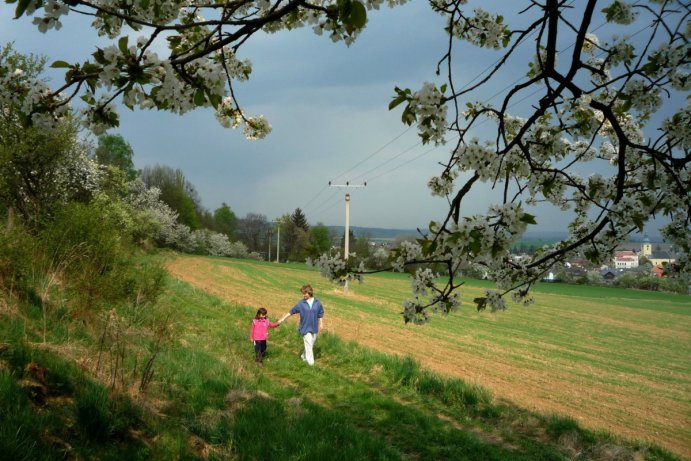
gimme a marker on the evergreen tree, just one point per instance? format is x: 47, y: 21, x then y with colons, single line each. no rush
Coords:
x: 298, y: 218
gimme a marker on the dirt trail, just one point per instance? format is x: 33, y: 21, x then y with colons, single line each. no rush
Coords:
x: 629, y: 413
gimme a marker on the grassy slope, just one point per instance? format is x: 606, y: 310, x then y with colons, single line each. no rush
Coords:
x: 613, y: 359
x: 209, y: 400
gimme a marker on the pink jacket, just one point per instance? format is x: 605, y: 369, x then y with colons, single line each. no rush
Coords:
x: 260, y: 329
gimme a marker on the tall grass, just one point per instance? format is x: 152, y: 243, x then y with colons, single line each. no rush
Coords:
x: 19, y: 426
x: 267, y: 429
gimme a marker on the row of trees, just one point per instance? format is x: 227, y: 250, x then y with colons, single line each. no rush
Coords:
x: 298, y: 240
x: 41, y: 171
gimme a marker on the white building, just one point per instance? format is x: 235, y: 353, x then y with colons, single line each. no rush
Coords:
x: 625, y: 260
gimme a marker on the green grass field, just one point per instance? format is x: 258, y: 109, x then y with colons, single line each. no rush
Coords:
x: 571, y: 377
x: 612, y: 359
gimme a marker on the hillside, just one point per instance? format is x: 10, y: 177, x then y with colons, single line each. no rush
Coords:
x: 178, y: 381
x: 594, y: 356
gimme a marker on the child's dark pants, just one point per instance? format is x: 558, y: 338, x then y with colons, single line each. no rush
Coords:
x: 260, y: 350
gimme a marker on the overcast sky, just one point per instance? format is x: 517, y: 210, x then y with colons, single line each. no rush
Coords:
x: 328, y: 105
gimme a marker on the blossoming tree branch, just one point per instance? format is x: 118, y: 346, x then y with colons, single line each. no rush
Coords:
x: 604, y: 136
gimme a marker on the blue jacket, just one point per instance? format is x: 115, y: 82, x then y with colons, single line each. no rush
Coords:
x: 309, y: 318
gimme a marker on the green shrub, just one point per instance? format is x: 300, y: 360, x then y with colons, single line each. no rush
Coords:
x: 558, y: 425
x: 451, y: 391
x: 88, y: 247
x: 17, y: 252
x: 461, y: 393
x: 91, y: 246
x: 143, y: 282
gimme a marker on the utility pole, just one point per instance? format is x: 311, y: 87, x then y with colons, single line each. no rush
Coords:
x: 347, y: 225
x: 270, y: 241
x: 346, y: 249
x: 278, y: 241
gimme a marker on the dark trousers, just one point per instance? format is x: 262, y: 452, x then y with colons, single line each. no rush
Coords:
x: 260, y: 349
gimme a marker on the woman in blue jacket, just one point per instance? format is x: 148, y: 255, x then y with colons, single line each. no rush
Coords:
x: 311, y: 314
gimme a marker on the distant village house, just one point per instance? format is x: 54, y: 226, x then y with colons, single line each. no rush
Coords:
x: 625, y: 259
x: 656, y: 257
x: 630, y: 259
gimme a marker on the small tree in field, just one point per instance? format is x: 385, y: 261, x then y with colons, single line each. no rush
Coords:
x: 596, y: 124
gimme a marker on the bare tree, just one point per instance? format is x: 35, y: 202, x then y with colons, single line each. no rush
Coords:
x: 252, y: 231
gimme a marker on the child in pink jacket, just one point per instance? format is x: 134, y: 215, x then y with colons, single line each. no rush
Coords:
x: 259, y: 333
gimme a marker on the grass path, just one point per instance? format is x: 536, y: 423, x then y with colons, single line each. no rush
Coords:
x: 611, y: 363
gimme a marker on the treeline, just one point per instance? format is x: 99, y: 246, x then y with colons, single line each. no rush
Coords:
x: 46, y: 175
x: 288, y: 238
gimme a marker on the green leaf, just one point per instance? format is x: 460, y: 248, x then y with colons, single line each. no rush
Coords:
x: 199, y: 98
x: 91, y: 83
x: 528, y: 218
x: 547, y: 187
x: 174, y: 40
x: 122, y: 44
x: 353, y: 14
x: 650, y: 68
x: 358, y: 15
x: 638, y: 221
x: 21, y: 8
x: 129, y: 105
x: 60, y: 64
x: 215, y: 100
x: 408, y: 117
x: 90, y: 68
x: 99, y: 56
x: 88, y: 99
x: 396, y: 101
x: 344, y: 9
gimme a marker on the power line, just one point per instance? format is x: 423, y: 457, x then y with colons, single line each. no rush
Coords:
x: 357, y: 164
x: 373, y: 153
x: 387, y: 161
x: 314, y: 197
x: 325, y: 204
x: 467, y: 85
x: 404, y: 163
